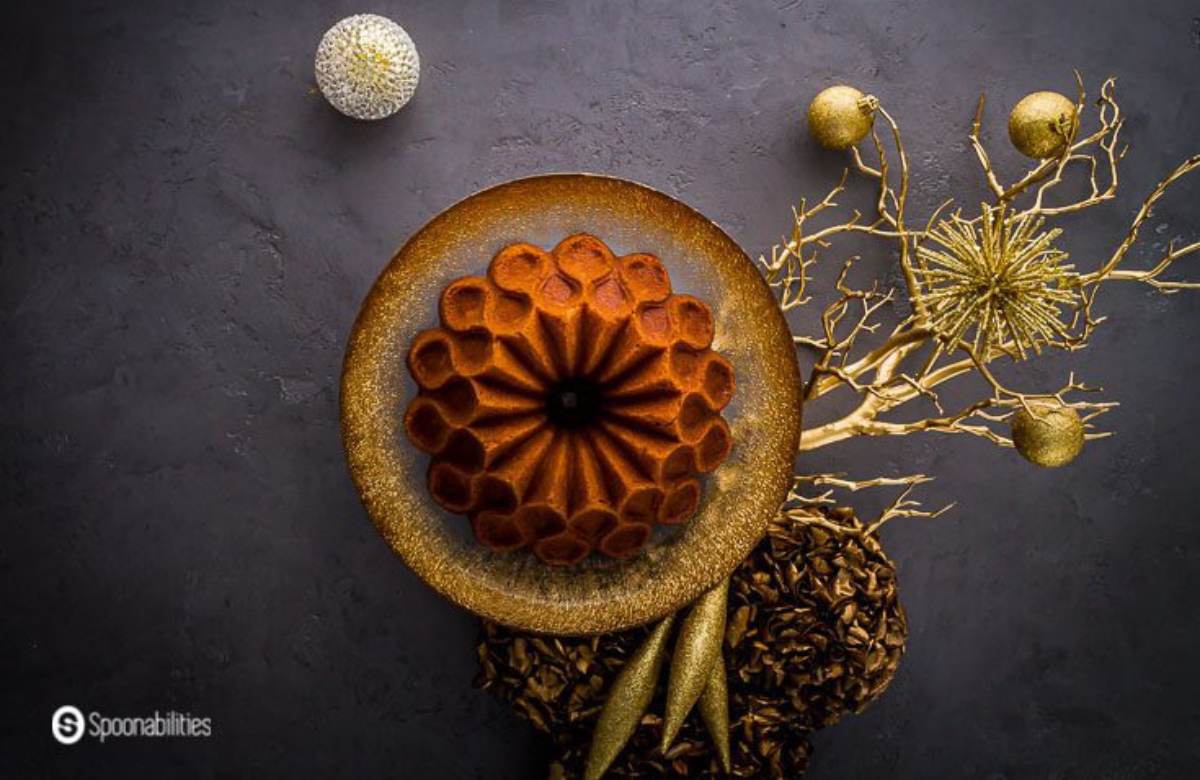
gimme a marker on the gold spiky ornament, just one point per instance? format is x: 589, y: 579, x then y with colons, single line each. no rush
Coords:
x: 998, y: 279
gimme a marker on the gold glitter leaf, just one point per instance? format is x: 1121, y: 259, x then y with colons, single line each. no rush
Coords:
x: 696, y: 650
x: 714, y: 709
x: 794, y: 669
x: 627, y: 701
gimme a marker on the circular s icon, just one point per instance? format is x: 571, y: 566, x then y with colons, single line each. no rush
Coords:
x: 66, y: 724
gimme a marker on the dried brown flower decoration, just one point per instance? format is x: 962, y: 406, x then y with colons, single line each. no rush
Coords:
x: 815, y: 631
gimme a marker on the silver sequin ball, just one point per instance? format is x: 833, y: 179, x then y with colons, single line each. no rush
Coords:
x: 367, y: 66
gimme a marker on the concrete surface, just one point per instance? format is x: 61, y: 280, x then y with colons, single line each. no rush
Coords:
x: 186, y: 232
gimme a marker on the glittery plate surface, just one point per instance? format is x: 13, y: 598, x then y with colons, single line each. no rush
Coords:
x: 597, y: 595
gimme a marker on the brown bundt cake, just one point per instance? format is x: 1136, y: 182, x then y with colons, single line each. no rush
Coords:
x: 569, y: 400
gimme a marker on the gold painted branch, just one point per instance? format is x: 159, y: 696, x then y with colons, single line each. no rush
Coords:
x: 983, y: 290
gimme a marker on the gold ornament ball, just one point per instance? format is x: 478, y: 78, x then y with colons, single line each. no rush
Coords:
x: 367, y: 66
x: 841, y: 116
x: 1051, y: 437
x: 1040, y: 124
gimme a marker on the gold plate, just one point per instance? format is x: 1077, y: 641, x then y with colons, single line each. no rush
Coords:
x: 597, y: 595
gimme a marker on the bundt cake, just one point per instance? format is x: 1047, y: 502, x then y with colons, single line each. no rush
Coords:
x: 569, y: 400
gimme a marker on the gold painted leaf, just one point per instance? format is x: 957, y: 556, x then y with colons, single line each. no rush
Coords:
x: 696, y: 650
x: 714, y: 709
x: 627, y: 701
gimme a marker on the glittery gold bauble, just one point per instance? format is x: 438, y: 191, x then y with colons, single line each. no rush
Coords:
x: 1050, y: 437
x: 1041, y: 123
x: 367, y: 66
x: 841, y: 116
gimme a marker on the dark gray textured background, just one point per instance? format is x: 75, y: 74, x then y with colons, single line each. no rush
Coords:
x: 186, y: 232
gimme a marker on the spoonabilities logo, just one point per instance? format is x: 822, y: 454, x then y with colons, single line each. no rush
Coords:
x: 69, y: 725
x: 66, y: 724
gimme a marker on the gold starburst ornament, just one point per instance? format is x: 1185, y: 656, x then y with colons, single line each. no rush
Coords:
x: 367, y: 66
x: 996, y: 281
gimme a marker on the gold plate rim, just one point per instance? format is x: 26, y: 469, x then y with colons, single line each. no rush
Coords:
x: 740, y: 496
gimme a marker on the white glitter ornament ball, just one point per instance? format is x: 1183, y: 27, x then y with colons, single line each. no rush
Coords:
x: 367, y: 66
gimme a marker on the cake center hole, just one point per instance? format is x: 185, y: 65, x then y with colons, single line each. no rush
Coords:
x: 573, y: 402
